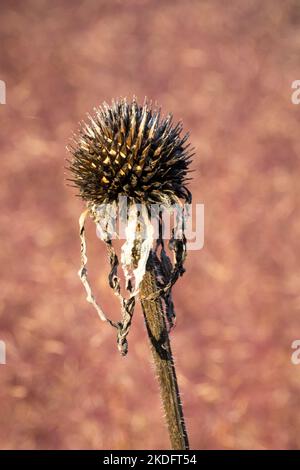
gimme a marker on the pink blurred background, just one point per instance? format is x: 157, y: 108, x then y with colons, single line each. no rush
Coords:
x: 225, y: 69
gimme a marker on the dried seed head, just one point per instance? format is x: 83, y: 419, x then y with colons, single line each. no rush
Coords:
x: 129, y: 150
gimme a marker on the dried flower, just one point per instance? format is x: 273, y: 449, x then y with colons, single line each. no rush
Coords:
x: 128, y: 150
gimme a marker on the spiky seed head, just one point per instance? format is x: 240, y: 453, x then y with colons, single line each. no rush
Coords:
x: 129, y: 150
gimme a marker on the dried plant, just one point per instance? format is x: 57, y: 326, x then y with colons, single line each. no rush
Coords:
x: 128, y: 151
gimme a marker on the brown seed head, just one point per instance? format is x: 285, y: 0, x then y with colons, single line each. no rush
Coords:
x: 129, y: 150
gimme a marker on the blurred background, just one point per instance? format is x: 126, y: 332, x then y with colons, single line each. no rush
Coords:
x: 225, y: 69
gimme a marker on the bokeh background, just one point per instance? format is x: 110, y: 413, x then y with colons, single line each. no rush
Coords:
x: 225, y: 69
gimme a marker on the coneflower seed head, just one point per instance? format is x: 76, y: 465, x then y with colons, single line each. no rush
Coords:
x: 129, y: 150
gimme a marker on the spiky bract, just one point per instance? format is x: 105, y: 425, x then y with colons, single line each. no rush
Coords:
x: 129, y: 150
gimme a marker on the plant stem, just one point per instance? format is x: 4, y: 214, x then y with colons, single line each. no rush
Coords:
x: 163, y: 359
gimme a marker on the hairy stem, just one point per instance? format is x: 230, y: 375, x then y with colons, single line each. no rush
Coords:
x: 163, y: 359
